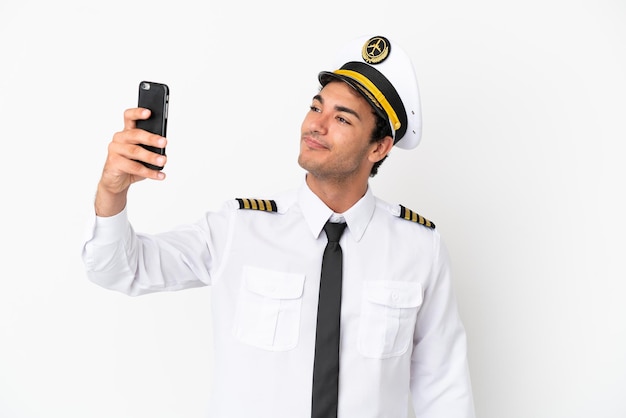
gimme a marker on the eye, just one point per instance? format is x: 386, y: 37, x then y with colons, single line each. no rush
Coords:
x: 315, y: 109
x: 343, y: 120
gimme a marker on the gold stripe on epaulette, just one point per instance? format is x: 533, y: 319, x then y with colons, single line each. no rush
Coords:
x: 409, y: 215
x: 258, y: 204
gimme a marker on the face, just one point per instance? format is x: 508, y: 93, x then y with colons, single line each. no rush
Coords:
x: 335, y: 134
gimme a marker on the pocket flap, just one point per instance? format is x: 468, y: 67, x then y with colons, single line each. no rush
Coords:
x: 273, y: 284
x: 394, y: 294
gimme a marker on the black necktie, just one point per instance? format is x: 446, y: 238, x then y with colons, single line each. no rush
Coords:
x: 326, y: 363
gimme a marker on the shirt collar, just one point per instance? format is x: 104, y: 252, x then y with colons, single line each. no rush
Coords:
x: 316, y: 213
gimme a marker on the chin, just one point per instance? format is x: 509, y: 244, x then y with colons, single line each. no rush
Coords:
x: 302, y: 162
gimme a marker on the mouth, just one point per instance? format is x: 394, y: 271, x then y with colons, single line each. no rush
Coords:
x: 313, y: 143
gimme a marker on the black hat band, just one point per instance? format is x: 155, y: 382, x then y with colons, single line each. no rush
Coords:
x: 388, y: 98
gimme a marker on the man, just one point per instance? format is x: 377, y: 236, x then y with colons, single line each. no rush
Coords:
x: 399, y: 335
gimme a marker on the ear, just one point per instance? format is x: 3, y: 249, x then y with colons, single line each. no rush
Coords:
x: 381, y: 149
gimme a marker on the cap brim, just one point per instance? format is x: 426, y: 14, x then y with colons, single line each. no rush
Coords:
x: 326, y: 77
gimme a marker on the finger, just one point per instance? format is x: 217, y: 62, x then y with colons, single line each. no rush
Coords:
x: 134, y: 151
x: 140, y: 171
x: 134, y: 114
x: 125, y: 160
x: 139, y: 136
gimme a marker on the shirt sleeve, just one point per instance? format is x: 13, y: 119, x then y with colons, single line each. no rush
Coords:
x: 440, y: 380
x: 118, y: 258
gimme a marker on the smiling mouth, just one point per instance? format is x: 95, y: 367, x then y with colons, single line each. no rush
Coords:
x: 312, y: 142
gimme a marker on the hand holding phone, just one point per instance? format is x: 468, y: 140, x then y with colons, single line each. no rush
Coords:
x: 154, y: 96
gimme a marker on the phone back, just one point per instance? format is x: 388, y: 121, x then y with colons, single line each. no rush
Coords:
x: 154, y: 96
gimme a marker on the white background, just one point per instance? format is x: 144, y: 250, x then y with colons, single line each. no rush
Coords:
x: 520, y: 166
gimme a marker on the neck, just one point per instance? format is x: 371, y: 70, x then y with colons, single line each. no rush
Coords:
x: 337, y: 195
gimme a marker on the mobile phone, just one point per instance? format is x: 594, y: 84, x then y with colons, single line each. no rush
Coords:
x: 154, y: 96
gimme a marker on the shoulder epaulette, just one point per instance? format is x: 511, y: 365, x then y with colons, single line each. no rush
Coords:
x: 258, y: 204
x: 409, y: 215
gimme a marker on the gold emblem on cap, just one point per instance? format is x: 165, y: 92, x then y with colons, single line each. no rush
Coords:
x: 376, y: 50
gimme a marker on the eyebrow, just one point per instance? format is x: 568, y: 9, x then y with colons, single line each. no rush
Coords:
x: 338, y: 108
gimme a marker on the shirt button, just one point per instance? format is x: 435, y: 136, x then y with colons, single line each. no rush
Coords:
x: 395, y: 296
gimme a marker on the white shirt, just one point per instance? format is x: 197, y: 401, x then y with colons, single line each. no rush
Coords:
x: 401, y: 335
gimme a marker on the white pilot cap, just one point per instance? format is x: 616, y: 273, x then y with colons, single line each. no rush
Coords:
x: 383, y: 73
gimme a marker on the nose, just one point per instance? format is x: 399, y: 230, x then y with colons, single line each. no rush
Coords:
x: 317, y: 122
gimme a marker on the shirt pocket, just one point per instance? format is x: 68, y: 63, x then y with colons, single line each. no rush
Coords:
x: 388, y: 314
x: 268, y: 309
